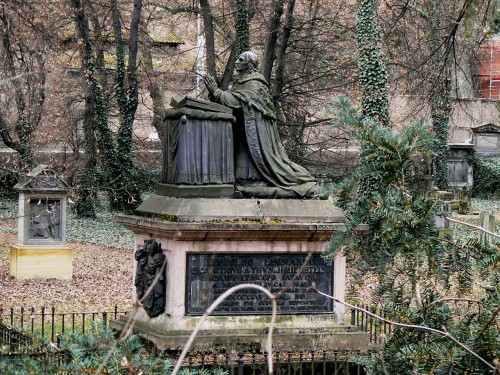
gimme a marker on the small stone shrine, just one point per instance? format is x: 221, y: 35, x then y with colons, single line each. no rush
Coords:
x: 41, y: 251
x: 195, y: 240
x: 486, y: 138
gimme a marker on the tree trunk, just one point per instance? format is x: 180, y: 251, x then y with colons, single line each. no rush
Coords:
x: 153, y: 87
x: 280, y: 58
x: 95, y: 122
x: 28, y: 112
x: 228, y: 71
x: 98, y: 46
x: 272, y: 39
x: 440, y: 89
x: 127, y: 94
x: 242, y: 27
x: 374, y: 82
x: 85, y: 180
x: 208, y: 26
x: 373, y: 76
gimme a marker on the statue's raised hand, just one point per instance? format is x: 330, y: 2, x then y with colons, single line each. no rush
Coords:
x: 210, y: 83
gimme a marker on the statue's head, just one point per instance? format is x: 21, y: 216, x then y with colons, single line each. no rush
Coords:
x: 151, y: 246
x: 247, y: 60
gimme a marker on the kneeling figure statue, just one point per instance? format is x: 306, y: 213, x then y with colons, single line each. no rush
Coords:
x: 262, y: 167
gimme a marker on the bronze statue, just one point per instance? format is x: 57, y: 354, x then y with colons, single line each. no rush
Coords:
x: 262, y: 167
x: 39, y: 223
x: 54, y: 220
x: 150, y: 278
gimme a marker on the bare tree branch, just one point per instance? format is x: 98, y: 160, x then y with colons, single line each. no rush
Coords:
x: 473, y: 226
x: 443, y: 333
x: 214, y: 305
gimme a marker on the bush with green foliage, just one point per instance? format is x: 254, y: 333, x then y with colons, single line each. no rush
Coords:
x: 97, y: 352
x: 88, y: 353
x: 425, y: 277
x: 486, y: 176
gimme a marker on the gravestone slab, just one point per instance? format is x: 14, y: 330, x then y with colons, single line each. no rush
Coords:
x: 486, y: 138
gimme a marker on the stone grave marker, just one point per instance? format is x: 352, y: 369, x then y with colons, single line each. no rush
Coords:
x: 41, y: 251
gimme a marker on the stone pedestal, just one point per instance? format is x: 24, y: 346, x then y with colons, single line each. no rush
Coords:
x: 213, y: 244
x: 41, y: 262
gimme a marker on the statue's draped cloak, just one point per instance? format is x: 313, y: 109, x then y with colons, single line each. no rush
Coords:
x: 250, y: 94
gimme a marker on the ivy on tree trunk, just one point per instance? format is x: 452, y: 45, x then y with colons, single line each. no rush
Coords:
x: 95, y: 123
x: 126, y: 195
x: 242, y: 28
x: 373, y: 73
x: 374, y: 83
x: 118, y: 167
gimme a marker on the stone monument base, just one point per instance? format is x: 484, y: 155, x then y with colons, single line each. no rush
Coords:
x: 247, y: 333
x: 41, y: 262
x: 211, y: 245
x: 193, y: 191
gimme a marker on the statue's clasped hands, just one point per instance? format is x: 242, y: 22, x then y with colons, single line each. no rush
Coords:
x: 210, y: 83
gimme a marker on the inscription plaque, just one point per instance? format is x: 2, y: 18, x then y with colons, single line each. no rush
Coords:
x: 210, y: 275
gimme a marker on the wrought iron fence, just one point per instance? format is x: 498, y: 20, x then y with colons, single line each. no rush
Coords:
x: 49, y: 323
x: 377, y: 328
x: 312, y: 362
x: 13, y: 339
x: 18, y: 326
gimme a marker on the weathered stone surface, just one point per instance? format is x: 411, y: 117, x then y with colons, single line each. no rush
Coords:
x: 41, y: 262
x: 258, y: 210
x: 195, y: 191
x: 239, y: 230
x: 42, y: 208
x: 41, y: 251
x: 296, y: 210
x: 291, y: 332
x: 265, y: 228
x: 199, y: 210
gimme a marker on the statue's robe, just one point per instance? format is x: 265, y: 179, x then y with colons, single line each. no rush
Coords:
x: 262, y: 167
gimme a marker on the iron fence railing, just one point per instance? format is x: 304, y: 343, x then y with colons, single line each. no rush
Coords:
x: 378, y: 329
x: 311, y: 362
x: 13, y: 339
x: 18, y: 326
x: 49, y: 323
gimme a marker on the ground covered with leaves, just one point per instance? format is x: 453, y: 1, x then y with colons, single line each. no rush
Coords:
x: 102, y: 267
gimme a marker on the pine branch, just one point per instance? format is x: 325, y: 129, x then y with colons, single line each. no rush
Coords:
x: 443, y: 332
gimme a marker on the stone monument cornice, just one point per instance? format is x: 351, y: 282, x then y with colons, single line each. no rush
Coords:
x: 240, y: 230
